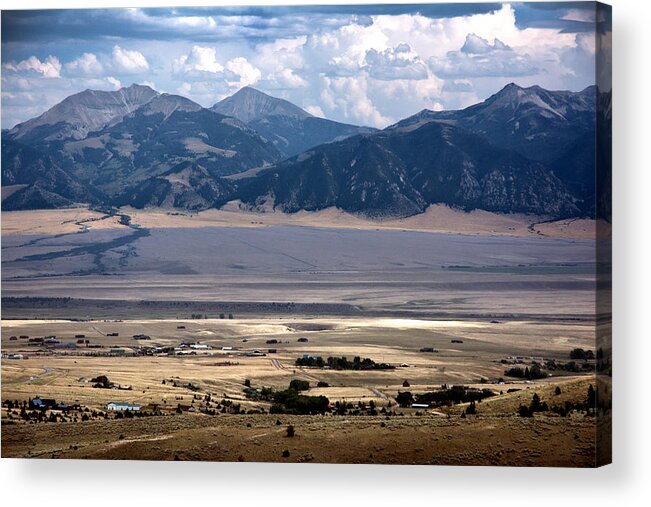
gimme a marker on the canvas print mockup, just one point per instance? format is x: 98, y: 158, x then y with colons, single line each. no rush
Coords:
x: 331, y: 234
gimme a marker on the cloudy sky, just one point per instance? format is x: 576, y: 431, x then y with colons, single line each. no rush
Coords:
x: 363, y: 64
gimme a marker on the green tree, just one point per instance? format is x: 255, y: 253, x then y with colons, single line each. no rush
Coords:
x: 405, y: 399
x: 535, y: 406
x: 299, y: 385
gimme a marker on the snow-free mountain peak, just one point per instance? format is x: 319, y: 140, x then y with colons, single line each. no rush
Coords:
x: 81, y: 113
x: 167, y: 103
x: 249, y: 104
x: 291, y: 129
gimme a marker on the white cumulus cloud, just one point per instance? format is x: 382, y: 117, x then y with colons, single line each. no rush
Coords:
x: 86, y: 65
x: 479, y: 58
x: 398, y: 62
x: 200, y: 59
x: 315, y: 111
x: 129, y: 61
x: 244, y: 73
x: 50, y: 67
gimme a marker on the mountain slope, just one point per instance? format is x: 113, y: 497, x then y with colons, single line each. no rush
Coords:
x: 81, y: 113
x: 535, y: 122
x: 604, y: 167
x: 399, y: 172
x: 46, y: 185
x: 357, y: 175
x: 575, y: 166
x: 291, y: 129
x: 187, y: 186
x: 249, y: 104
x: 166, y: 131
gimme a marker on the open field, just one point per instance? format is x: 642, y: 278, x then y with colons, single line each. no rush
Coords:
x: 53, y: 222
x: 407, y: 438
x: 437, y: 218
x: 382, y: 292
x: 482, y: 440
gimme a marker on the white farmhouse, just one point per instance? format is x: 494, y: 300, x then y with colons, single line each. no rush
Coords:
x: 122, y: 405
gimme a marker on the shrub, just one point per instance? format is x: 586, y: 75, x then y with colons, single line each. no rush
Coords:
x: 322, y: 384
x: 290, y: 431
x: 582, y: 354
x: 299, y: 385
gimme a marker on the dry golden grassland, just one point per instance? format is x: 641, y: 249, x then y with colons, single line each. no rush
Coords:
x: 502, y: 285
x: 437, y: 218
x: 60, y: 221
x: 496, y: 435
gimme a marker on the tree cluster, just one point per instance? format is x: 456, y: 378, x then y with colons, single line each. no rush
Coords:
x: 533, y: 373
x: 342, y: 363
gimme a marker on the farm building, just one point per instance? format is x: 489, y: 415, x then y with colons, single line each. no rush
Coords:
x: 122, y: 405
x: 42, y: 403
x: 65, y: 345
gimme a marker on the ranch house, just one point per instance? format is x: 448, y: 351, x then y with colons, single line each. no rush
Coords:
x: 122, y: 405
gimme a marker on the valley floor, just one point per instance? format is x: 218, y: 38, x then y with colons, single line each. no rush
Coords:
x: 440, y: 307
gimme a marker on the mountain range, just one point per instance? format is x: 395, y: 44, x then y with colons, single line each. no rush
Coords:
x: 526, y: 150
x: 291, y: 129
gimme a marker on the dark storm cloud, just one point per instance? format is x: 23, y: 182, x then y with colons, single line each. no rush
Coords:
x: 251, y: 22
